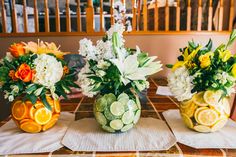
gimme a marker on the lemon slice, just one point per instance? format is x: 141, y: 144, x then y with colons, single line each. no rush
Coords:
x: 198, y: 99
x: 197, y: 111
x: 187, y: 120
x: 186, y: 103
x: 218, y: 125
x: 212, y: 97
x: 207, y: 117
x: 189, y: 111
x: 226, y: 106
x: 202, y: 128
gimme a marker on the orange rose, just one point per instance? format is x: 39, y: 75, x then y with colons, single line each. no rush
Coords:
x: 12, y: 75
x: 17, y: 50
x: 24, y: 73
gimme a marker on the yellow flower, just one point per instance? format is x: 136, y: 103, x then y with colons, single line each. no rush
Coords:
x: 233, y: 71
x: 177, y: 65
x: 225, y: 55
x: 205, y: 60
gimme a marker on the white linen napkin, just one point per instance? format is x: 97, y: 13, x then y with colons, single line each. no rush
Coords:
x: 149, y: 134
x: 224, y: 138
x: 14, y: 141
x: 164, y: 90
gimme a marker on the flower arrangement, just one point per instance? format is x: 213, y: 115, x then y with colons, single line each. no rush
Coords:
x: 112, y: 68
x: 200, y: 68
x: 35, y: 70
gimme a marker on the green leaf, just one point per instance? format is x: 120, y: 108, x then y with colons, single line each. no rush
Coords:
x: 192, y: 44
x: 209, y: 44
x: 95, y: 78
x: 231, y: 38
x: 45, y: 102
x: 142, y: 58
x: 8, y: 64
x: 4, y: 74
x: 31, y: 88
x: 33, y: 98
x: 169, y: 65
x: 60, y: 91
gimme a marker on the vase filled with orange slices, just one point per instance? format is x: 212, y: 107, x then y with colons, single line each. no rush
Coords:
x: 202, y: 80
x: 33, y: 77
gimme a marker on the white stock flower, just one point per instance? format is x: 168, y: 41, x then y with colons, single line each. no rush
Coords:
x: 180, y: 84
x: 87, y: 49
x: 117, y: 27
x: 103, y: 64
x: 104, y: 50
x: 48, y: 70
x: 15, y: 89
x: 11, y: 98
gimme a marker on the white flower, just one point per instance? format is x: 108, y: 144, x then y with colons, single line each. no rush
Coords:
x: 48, y: 70
x: 85, y: 83
x: 180, y: 84
x: 15, y: 89
x: 87, y: 49
x: 117, y: 27
x: 104, y: 50
x: 130, y: 70
x: 100, y: 73
x: 9, y: 57
x: 11, y: 98
x: 103, y: 64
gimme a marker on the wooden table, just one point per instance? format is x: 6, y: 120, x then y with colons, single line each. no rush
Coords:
x: 156, y: 104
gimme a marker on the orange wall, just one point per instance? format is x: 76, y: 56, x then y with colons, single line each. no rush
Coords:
x: 164, y: 46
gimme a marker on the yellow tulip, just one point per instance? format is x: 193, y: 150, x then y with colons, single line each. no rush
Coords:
x: 205, y: 60
x: 233, y: 71
x: 225, y: 55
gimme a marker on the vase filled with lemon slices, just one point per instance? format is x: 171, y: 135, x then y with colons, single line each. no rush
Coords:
x: 33, y: 77
x: 202, y: 80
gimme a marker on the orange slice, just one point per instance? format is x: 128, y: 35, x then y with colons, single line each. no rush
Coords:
x: 34, y: 108
x: 19, y: 110
x: 57, y: 106
x: 42, y: 116
x: 24, y: 120
x: 51, y: 123
x: 30, y: 126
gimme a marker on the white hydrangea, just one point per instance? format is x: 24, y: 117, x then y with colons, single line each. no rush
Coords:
x: 48, y: 70
x: 180, y: 84
x: 85, y: 83
x: 87, y: 49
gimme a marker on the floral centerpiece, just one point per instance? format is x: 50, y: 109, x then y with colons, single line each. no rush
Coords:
x: 202, y: 80
x: 115, y: 74
x: 33, y: 77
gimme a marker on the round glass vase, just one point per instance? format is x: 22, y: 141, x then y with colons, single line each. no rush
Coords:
x: 117, y: 114
x: 205, y: 112
x: 34, y: 118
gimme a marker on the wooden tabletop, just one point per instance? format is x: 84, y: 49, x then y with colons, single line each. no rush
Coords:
x: 156, y: 104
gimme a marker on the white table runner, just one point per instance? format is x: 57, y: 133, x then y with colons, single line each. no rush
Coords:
x: 149, y: 134
x: 224, y: 138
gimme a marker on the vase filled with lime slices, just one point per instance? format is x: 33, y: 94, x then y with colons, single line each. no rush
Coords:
x: 117, y: 113
x: 115, y: 75
x: 203, y: 80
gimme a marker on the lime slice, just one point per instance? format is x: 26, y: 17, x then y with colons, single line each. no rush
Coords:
x: 137, y: 116
x: 110, y: 98
x: 187, y: 120
x: 101, y: 104
x: 207, y: 117
x: 128, y: 117
x: 109, y: 115
x: 127, y: 127
x: 198, y: 99
x: 123, y: 96
x: 202, y: 128
x: 117, y: 108
x: 218, y: 125
x: 108, y: 129
x: 101, y: 119
x: 138, y: 102
x: 197, y: 111
x: 116, y: 124
x: 212, y: 97
x: 132, y: 105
